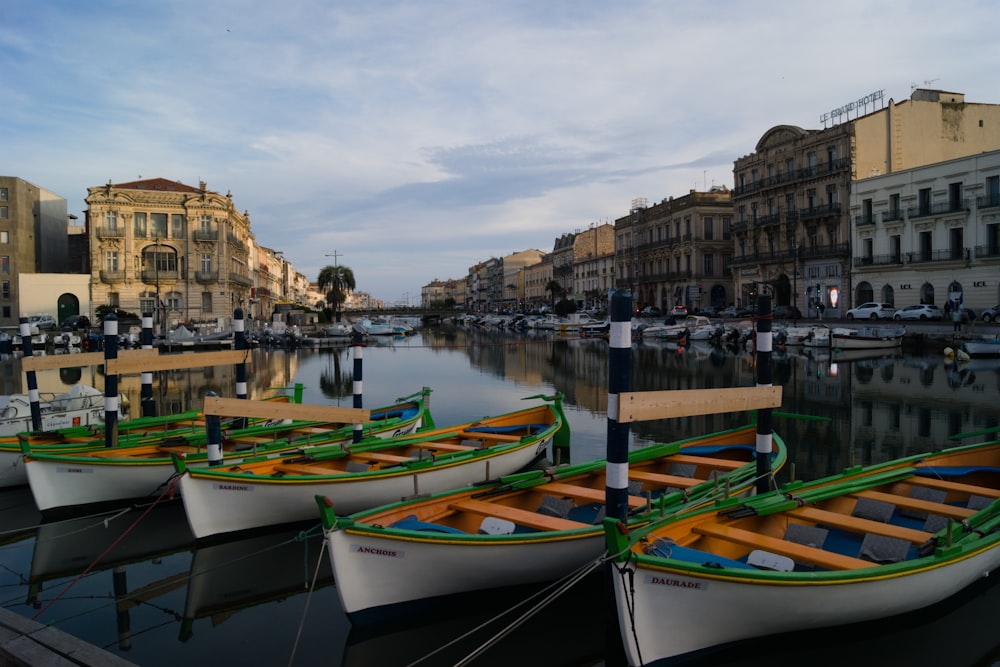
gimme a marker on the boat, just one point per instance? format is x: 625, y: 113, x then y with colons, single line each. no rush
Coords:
x: 983, y: 347
x: 679, y: 330
x: 232, y: 498
x: 527, y: 528
x: 864, y: 545
x: 372, y: 328
x: 596, y: 330
x: 81, y: 405
x: 74, y: 479
x: 866, y: 337
x: 817, y: 335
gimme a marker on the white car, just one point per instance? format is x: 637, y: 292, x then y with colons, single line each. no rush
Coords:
x: 43, y: 321
x: 872, y: 310
x: 923, y: 311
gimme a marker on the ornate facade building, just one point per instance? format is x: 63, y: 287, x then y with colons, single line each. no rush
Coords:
x: 792, y: 228
x: 180, y: 252
x: 677, y: 251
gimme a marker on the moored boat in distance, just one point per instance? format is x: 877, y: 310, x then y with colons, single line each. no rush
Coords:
x: 866, y: 337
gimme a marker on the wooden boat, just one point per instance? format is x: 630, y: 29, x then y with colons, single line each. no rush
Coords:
x: 866, y: 337
x: 72, y: 479
x: 140, y: 431
x: 81, y: 405
x: 533, y: 527
x: 232, y: 498
x: 864, y: 545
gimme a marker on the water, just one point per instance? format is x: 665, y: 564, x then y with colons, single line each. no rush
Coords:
x: 137, y: 585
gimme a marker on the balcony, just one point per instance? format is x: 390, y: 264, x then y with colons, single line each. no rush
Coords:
x: 112, y: 277
x: 892, y: 216
x: 110, y: 233
x: 986, y: 251
x: 206, y: 276
x: 154, y: 277
x: 817, y: 212
x: 879, y: 260
x: 950, y: 255
x: 235, y: 242
x: 943, y: 208
x: 864, y: 220
x: 240, y: 279
x: 205, y: 235
x: 989, y: 201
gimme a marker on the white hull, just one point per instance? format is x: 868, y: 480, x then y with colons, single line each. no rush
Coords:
x: 59, y: 483
x: 372, y: 571
x: 674, y: 613
x: 844, y: 340
x: 982, y: 348
x: 216, y: 506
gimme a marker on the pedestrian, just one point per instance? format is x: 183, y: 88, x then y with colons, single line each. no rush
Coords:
x: 956, y: 319
x: 822, y: 309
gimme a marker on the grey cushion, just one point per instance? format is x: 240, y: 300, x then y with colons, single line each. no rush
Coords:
x: 811, y: 536
x: 635, y: 488
x: 923, y: 493
x: 357, y: 466
x: 935, y: 523
x: 557, y: 507
x: 876, y: 510
x: 882, y: 549
x: 683, y: 469
x: 979, y: 502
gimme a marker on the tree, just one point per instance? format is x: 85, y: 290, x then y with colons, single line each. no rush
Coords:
x: 338, y: 280
x: 555, y: 291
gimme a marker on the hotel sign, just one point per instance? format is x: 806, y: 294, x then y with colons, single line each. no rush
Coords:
x: 841, y: 114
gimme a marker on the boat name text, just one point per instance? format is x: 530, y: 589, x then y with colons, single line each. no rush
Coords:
x: 656, y: 580
x: 377, y: 551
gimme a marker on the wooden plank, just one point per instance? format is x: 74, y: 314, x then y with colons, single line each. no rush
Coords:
x: 859, y: 525
x: 726, y: 464
x: 918, y: 505
x: 647, y: 405
x: 584, y: 493
x: 663, y: 480
x: 168, y: 362
x: 499, y: 437
x: 794, y: 550
x: 51, y: 361
x: 239, y: 407
x: 519, y: 516
x: 958, y: 487
x: 304, y: 469
x: 366, y: 457
x: 445, y: 447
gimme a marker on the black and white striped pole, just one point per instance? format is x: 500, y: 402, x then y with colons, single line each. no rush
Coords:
x: 33, y: 397
x: 240, y: 343
x: 213, y: 431
x: 110, y: 381
x: 619, y: 380
x: 146, y: 391
x: 765, y: 427
x: 357, y: 341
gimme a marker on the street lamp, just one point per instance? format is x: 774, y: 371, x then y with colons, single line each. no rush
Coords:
x: 795, y: 275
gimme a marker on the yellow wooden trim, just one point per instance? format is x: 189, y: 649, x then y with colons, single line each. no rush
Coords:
x: 859, y: 525
x: 444, y: 447
x: 647, y: 405
x: 728, y: 464
x: 918, y: 505
x: 499, y: 437
x: 662, y: 479
x: 365, y: 457
x: 238, y: 407
x: 958, y: 487
x: 584, y: 493
x: 51, y: 361
x: 519, y: 516
x: 167, y: 362
x: 794, y: 550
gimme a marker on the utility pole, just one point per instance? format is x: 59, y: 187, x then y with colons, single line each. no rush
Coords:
x: 335, y: 255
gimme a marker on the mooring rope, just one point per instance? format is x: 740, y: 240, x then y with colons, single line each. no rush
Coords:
x: 305, y: 610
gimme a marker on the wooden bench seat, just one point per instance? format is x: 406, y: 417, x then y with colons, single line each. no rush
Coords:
x: 445, y: 447
x: 584, y: 493
x: 518, y: 516
x: 859, y: 525
x: 727, y: 464
x: 304, y: 469
x: 958, y: 487
x: 918, y: 505
x: 380, y: 457
x: 499, y: 437
x: 794, y: 550
x: 663, y: 480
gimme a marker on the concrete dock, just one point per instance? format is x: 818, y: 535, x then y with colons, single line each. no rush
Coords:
x: 26, y: 643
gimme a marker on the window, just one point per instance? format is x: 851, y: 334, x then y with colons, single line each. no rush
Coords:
x: 867, y: 253
x: 955, y: 247
x: 955, y: 202
x: 147, y: 302
x: 925, y: 246
x: 727, y: 227
x: 790, y: 167
x: 205, y: 224
x: 831, y: 156
x: 5, y: 289
x: 832, y: 198
x: 811, y: 158
x: 866, y: 212
x: 3, y: 194
x: 709, y: 225
x: 139, y: 225
x: 177, y: 222
x: 993, y: 190
x: 159, y: 221
x: 206, y: 262
x: 894, y: 212
x: 811, y: 198
x: 993, y: 240
x: 4, y: 237
x: 4, y: 213
x: 895, y: 247
x: 111, y: 220
x: 114, y: 299
x: 175, y: 301
x: 206, y: 302
x: 5, y: 265
x: 790, y: 202
x: 924, y: 201
x: 709, y: 264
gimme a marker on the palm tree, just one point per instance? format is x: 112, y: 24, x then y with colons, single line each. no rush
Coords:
x: 555, y: 291
x: 340, y: 280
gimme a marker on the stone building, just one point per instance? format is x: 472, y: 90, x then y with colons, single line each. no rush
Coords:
x: 593, y: 266
x: 163, y: 247
x: 677, y: 251
x: 929, y: 234
x: 792, y: 228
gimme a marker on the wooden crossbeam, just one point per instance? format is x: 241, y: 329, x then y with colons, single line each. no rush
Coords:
x: 238, y: 407
x: 169, y: 362
x: 51, y: 361
x: 647, y: 405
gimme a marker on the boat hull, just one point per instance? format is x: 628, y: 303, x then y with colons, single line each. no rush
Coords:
x: 667, y: 610
x: 215, y: 505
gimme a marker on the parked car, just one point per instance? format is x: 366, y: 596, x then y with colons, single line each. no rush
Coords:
x: 990, y: 314
x: 679, y: 311
x: 43, y: 321
x: 872, y: 310
x: 921, y: 311
x: 75, y: 323
x: 651, y: 311
x: 709, y: 311
x: 784, y: 312
x: 729, y: 311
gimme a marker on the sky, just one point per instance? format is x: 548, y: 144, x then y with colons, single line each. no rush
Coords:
x: 412, y: 140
